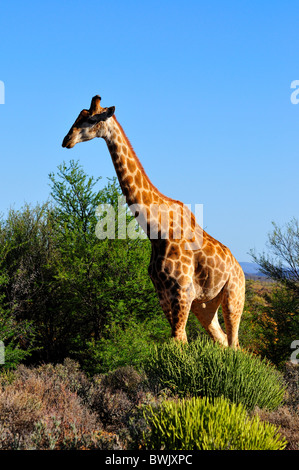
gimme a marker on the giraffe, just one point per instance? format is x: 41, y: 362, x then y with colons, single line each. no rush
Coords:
x: 192, y: 272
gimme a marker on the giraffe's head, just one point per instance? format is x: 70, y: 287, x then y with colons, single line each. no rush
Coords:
x: 89, y: 124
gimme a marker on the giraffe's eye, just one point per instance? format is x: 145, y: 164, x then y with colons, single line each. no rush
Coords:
x: 91, y: 120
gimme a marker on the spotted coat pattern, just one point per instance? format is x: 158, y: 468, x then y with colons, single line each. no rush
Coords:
x: 192, y: 271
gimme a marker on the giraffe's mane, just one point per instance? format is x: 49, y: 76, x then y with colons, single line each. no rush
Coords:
x: 140, y: 164
x: 129, y: 145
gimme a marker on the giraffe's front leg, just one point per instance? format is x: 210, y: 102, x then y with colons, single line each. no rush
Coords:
x: 180, y: 308
x: 176, y: 307
x: 175, y: 296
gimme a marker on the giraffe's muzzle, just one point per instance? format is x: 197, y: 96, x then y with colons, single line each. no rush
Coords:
x: 66, y: 142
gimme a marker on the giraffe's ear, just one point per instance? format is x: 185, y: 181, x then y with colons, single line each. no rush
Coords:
x: 110, y: 111
x: 103, y: 116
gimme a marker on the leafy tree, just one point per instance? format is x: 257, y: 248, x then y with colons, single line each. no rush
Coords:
x: 12, y: 334
x: 64, y: 289
x: 279, y: 316
x: 16, y: 332
x: 283, y: 265
x: 280, y: 325
x: 103, y: 281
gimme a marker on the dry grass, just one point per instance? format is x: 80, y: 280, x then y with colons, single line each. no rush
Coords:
x: 58, y: 407
x: 287, y: 416
x: 39, y: 410
x: 288, y: 422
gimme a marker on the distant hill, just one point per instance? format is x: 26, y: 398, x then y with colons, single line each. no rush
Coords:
x: 252, y: 271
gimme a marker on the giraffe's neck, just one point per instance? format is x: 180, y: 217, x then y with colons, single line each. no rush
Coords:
x: 159, y: 216
x: 135, y: 184
x: 133, y: 180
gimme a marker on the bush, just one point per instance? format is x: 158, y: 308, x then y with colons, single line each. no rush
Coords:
x: 41, y: 409
x: 59, y: 407
x: 68, y: 373
x: 287, y: 416
x: 203, y: 424
x: 115, y: 396
x: 127, y: 345
x: 204, y: 368
x: 279, y: 325
x: 291, y: 375
x: 288, y: 422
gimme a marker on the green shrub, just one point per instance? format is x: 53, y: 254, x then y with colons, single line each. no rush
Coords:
x: 204, y: 424
x: 127, y: 345
x: 203, y: 368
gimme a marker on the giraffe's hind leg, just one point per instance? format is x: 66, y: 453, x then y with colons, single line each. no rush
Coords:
x: 232, y: 308
x: 208, y: 317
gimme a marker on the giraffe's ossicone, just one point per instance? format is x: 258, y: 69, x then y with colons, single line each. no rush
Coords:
x: 189, y: 269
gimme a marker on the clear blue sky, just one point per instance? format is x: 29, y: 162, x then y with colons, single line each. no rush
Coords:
x: 201, y: 88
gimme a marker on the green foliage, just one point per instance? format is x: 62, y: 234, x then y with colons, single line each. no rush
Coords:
x: 125, y: 345
x: 203, y: 368
x: 251, y: 331
x: 105, y: 282
x: 66, y: 293
x: 65, y: 288
x: 30, y: 246
x: 279, y: 323
x: 205, y: 424
x: 270, y: 321
x: 13, y: 333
